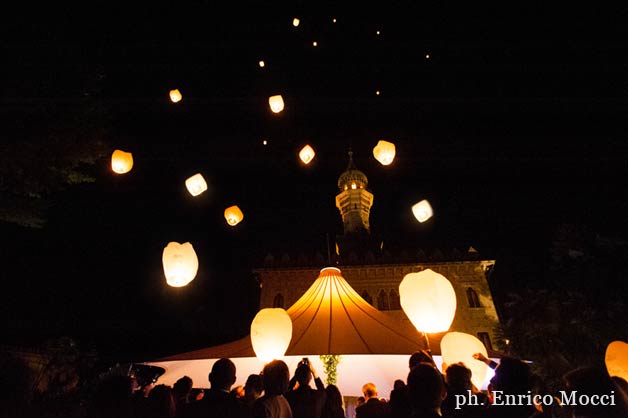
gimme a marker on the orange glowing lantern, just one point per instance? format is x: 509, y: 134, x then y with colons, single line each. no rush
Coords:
x: 233, y: 215
x: 295, y: 22
x: 429, y: 300
x: 180, y: 263
x: 616, y: 359
x: 175, y: 96
x: 459, y: 347
x: 307, y: 154
x: 422, y: 211
x: 276, y: 103
x: 271, y: 332
x: 384, y: 152
x: 196, y: 184
x: 121, y: 161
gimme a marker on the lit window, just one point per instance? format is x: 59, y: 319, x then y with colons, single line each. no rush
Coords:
x: 354, y: 186
x: 278, y: 302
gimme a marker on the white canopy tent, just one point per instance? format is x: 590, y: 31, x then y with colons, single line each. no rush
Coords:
x: 330, y: 318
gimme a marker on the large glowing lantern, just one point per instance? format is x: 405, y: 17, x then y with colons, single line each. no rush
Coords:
x: 384, y: 152
x: 276, y: 103
x: 121, y: 162
x: 271, y: 332
x: 459, y: 347
x: 175, y: 96
x: 616, y: 359
x: 180, y: 263
x: 422, y: 211
x: 233, y: 215
x: 307, y: 154
x: 196, y: 184
x: 429, y: 300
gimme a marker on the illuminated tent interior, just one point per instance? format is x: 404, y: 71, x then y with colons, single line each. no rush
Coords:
x: 329, y: 318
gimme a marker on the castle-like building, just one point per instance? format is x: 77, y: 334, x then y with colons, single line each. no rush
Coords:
x: 375, y: 274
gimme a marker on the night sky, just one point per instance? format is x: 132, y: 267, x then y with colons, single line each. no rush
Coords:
x: 510, y: 122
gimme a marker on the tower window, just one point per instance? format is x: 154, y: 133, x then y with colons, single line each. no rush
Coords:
x: 382, y: 301
x: 394, y: 300
x: 365, y: 295
x: 278, y: 301
x: 486, y: 340
x: 472, y: 297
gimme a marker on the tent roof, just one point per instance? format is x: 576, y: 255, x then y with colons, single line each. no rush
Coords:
x: 332, y: 318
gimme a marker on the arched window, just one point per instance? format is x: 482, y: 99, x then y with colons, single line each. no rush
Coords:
x: 486, y: 339
x: 278, y: 302
x: 472, y: 297
x: 382, y: 301
x: 365, y: 295
x: 393, y: 296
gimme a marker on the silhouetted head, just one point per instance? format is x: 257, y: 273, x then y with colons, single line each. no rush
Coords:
x: 421, y: 356
x: 303, y: 375
x: 253, y: 386
x: 426, y: 389
x: 458, y: 377
x: 399, y: 384
x: 369, y: 390
x: 276, y: 377
x: 594, y: 381
x: 223, y: 374
x: 183, y: 386
x: 512, y: 376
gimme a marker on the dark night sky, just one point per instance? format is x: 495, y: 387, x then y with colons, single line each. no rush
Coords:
x: 515, y: 124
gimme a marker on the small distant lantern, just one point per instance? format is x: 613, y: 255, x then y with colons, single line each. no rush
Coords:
x: 422, y: 211
x: 262, y: 64
x: 233, y: 215
x: 616, y: 359
x: 276, y: 103
x: 384, y: 152
x: 459, y: 347
x: 314, y: 43
x: 429, y: 300
x: 295, y: 22
x: 307, y: 154
x: 121, y: 161
x: 271, y: 332
x: 175, y: 96
x: 196, y: 184
x: 180, y: 263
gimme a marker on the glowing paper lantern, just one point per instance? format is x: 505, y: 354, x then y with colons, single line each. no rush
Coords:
x: 422, y: 211
x: 180, y: 263
x: 121, y: 162
x: 276, y: 103
x: 196, y: 184
x: 295, y: 22
x: 384, y: 152
x: 175, y: 96
x: 233, y: 215
x: 271, y: 332
x: 616, y: 359
x: 307, y: 154
x: 459, y: 347
x: 262, y: 64
x: 429, y: 300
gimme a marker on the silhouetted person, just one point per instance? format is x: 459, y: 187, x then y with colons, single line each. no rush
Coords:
x: 373, y: 407
x: 426, y: 391
x: 304, y: 401
x: 159, y: 404
x: 458, y: 381
x: 217, y: 401
x: 512, y: 377
x: 334, y: 406
x: 273, y: 404
x: 181, y: 392
x: 253, y: 389
x: 399, y: 405
x: 590, y: 381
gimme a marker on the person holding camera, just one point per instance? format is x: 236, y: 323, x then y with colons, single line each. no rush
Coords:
x: 305, y: 401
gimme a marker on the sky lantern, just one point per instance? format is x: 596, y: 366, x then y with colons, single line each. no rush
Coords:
x: 422, y: 211
x: 459, y: 347
x: 271, y: 332
x: 175, y: 96
x: 616, y: 359
x: 384, y: 152
x: 121, y: 161
x: 295, y: 22
x: 307, y: 154
x: 276, y: 103
x: 233, y: 215
x: 429, y: 300
x: 196, y: 184
x: 180, y: 263
x: 261, y: 63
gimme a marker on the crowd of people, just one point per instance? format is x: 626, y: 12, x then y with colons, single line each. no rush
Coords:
x: 426, y: 392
